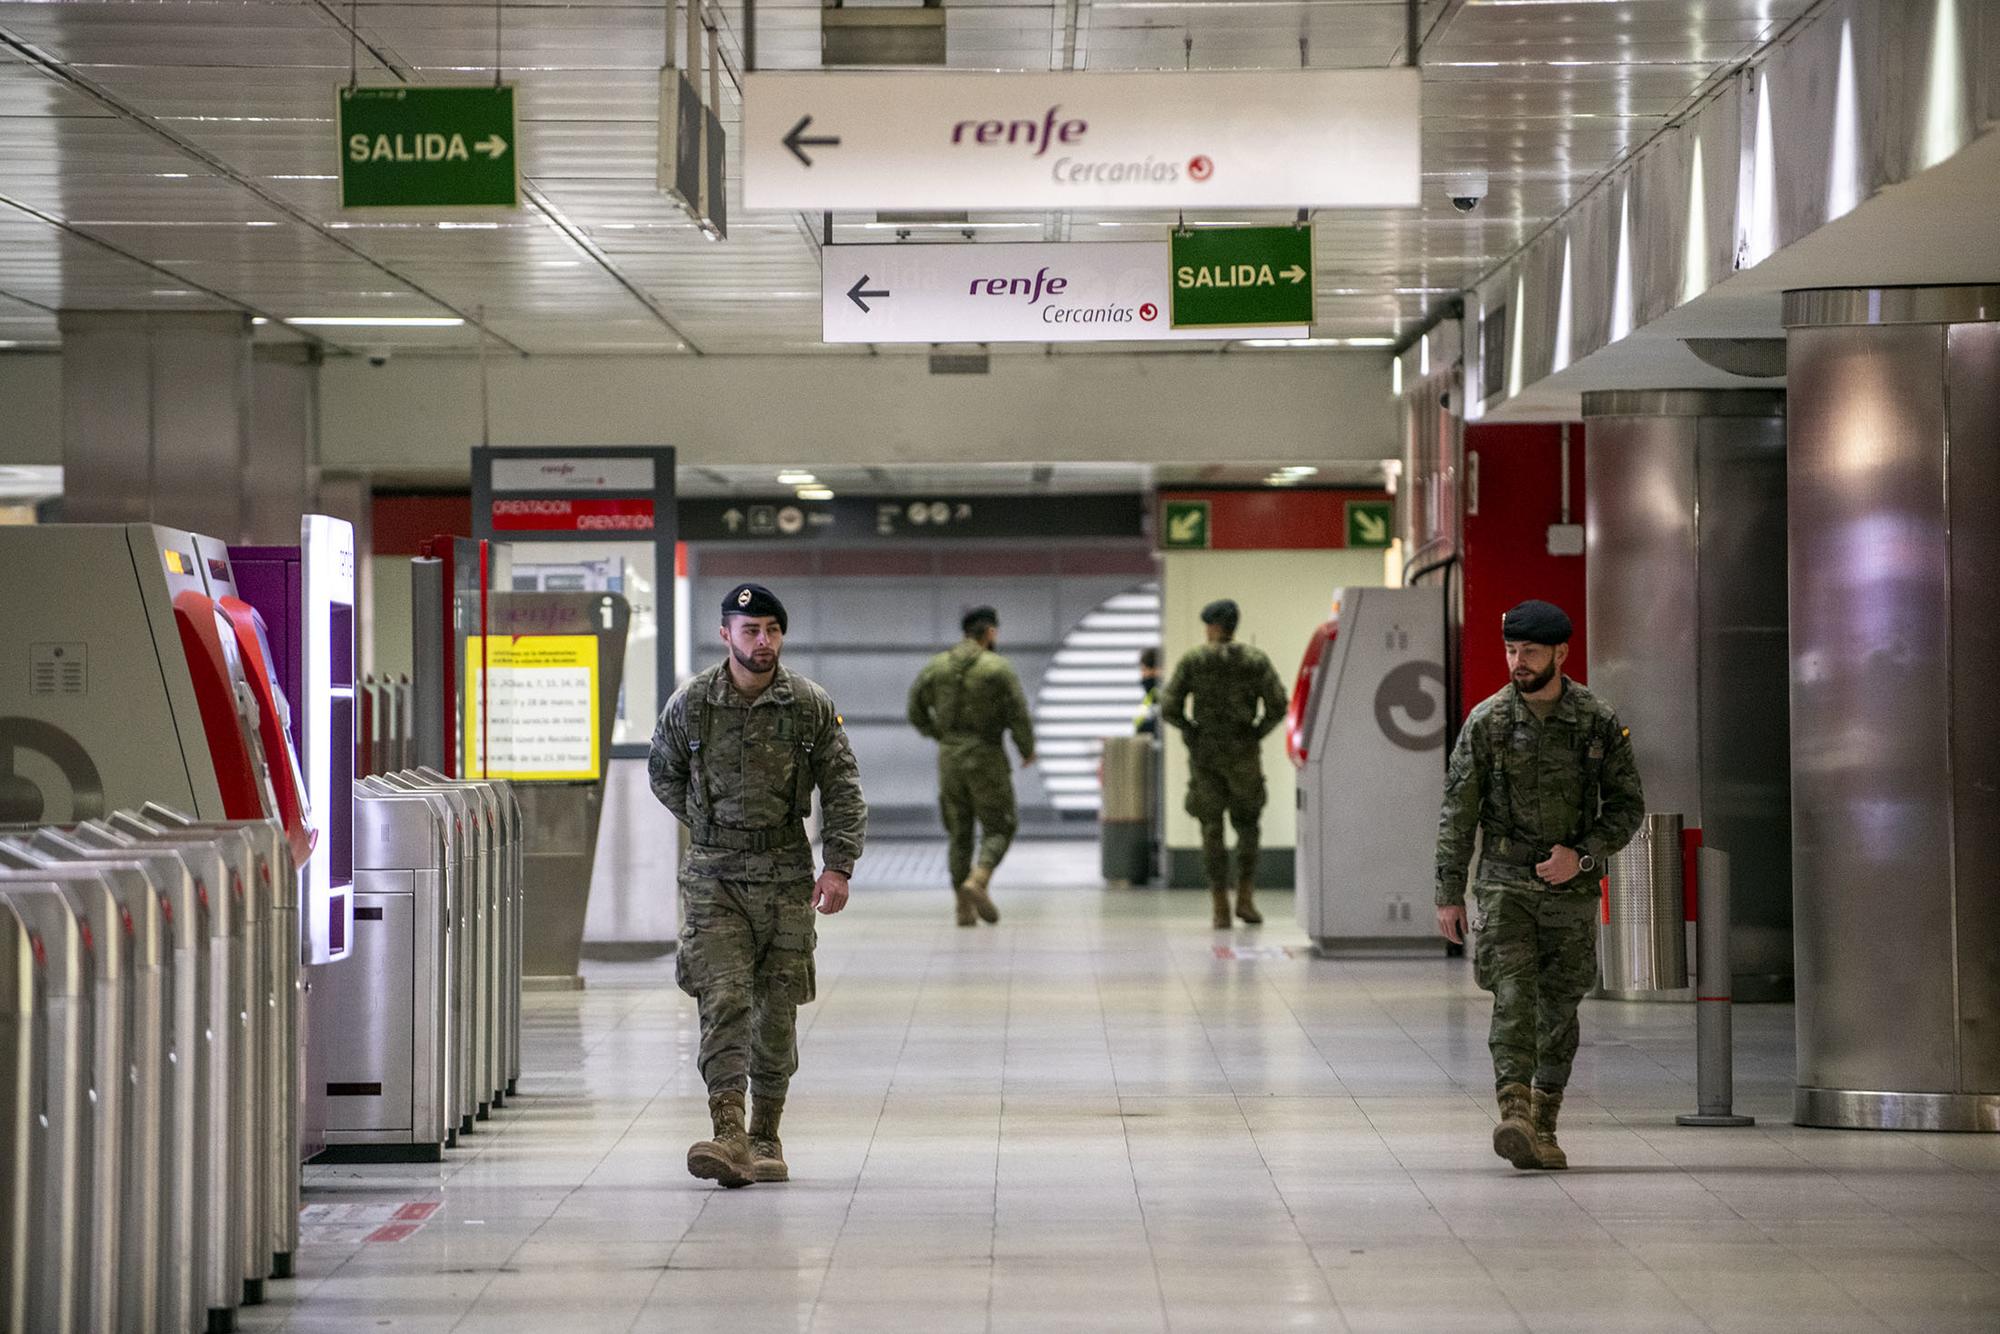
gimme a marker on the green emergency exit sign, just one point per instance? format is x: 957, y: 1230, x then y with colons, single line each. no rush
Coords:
x: 1224, y: 277
x: 1370, y: 522
x: 428, y: 148
x: 1185, y: 525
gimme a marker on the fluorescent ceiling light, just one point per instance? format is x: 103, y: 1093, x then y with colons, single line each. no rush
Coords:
x: 796, y: 477
x: 377, y: 321
x: 1299, y: 470
x: 815, y: 493
x: 1317, y: 342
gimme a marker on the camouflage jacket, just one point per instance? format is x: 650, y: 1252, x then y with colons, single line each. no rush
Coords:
x: 1527, y: 784
x: 740, y: 775
x: 970, y: 693
x: 1229, y: 682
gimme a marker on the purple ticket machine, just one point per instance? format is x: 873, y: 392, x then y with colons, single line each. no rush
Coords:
x: 305, y: 596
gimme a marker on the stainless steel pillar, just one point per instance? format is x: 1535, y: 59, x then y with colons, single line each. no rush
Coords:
x: 156, y: 418
x: 1895, y: 630
x: 1686, y: 524
x: 282, y: 443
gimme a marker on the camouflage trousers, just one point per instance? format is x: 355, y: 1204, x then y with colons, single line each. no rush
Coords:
x: 1536, y: 952
x: 746, y: 956
x: 1229, y: 785
x: 976, y: 788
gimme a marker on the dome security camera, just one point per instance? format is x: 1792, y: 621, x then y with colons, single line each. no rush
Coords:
x: 1466, y: 189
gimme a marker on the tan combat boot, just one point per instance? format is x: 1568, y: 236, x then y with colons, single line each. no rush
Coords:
x: 1246, y: 905
x: 967, y: 915
x: 974, y: 888
x: 767, y: 1151
x: 1548, y: 1104
x: 725, y: 1158
x: 1220, y: 897
x: 1514, y: 1137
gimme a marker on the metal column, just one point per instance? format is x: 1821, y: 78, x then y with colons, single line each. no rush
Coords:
x: 1895, y: 743
x: 1686, y: 521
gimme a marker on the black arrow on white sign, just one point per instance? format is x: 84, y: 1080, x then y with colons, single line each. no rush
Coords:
x: 798, y: 140
x: 859, y: 290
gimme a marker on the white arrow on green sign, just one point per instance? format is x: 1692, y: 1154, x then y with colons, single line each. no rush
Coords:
x: 1186, y: 524
x: 428, y: 148
x: 1234, y: 277
x: 1369, y: 522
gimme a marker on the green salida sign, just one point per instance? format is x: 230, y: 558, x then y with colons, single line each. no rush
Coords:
x: 1238, y: 277
x: 428, y: 148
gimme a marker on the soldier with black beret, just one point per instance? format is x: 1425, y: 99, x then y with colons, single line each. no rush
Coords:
x: 1544, y: 773
x: 738, y: 753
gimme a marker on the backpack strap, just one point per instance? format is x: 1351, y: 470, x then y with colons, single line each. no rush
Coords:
x: 697, y: 739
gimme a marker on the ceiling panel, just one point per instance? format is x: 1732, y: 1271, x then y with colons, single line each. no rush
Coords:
x: 157, y: 155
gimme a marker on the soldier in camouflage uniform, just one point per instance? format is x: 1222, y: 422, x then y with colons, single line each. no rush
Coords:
x: 1230, y: 683
x: 736, y: 756
x: 967, y: 699
x: 1544, y: 773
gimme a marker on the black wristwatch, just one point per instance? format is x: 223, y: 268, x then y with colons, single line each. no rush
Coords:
x: 1585, y: 864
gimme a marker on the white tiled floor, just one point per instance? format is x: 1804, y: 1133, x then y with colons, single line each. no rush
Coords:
x: 1084, y: 1120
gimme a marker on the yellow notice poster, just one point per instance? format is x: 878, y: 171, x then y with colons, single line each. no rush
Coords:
x: 543, y: 719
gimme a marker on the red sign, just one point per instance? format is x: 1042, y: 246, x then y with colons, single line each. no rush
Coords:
x: 573, y: 516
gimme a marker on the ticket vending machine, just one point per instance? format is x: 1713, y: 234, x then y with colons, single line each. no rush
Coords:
x: 1367, y: 733
x: 304, y: 596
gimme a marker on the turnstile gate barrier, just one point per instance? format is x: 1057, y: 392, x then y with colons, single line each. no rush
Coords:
x: 386, y: 1021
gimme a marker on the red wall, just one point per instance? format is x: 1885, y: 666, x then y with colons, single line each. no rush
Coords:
x: 1507, y: 556
x: 1272, y: 518
x: 400, y: 524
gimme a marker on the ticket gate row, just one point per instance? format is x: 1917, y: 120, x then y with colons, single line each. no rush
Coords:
x: 419, y: 1033
x: 150, y: 1029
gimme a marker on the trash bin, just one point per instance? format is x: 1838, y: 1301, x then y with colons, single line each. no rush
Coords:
x: 1126, y: 811
x: 1642, y: 934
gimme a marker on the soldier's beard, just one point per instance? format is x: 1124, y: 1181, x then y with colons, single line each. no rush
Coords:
x: 758, y: 662
x: 1532, y: 683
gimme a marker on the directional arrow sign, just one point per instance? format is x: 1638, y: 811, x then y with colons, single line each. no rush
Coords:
x: 428, y: 148
x: 798, y: 142
x: 1186, y: 524
x: 857, y: 292
x: 959, y: 140
x: 1038, y: 292
x: 1224, y: 277
x: 1368, y: 522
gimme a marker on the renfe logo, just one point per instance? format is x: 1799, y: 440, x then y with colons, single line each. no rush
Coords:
x: 1037, y: 135
x: 1034, y: 289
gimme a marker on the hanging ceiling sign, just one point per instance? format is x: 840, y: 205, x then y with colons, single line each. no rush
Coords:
x: 1290, y: 139
x: 428, y: 148
x: 1079, y: 292
x: 1231, y: 277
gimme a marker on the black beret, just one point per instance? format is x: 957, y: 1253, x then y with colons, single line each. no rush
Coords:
x: 1536, y: 623
x: 977, y: 617
x: 1222, y: 612
x: 754, y: 600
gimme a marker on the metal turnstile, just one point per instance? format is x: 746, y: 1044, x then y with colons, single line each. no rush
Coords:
x: 57, y: 1283
x: 216, y: 869
x: 491, y: 809
x: 188, y: 1218
x: 248, y: 895
x: 128, y: 1032
x: 20, y: 1073
x: 284, y: 1027
x: 386, y: 1027
x: 464, y: 893
x: 513, y: 910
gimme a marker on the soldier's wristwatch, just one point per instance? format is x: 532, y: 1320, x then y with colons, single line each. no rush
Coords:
x: 1585, y: 864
